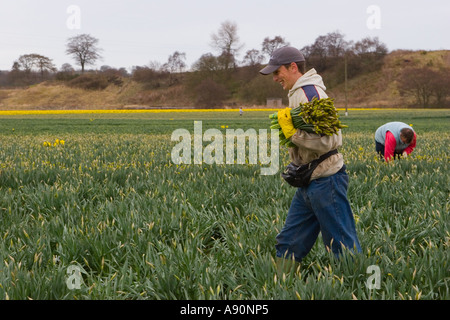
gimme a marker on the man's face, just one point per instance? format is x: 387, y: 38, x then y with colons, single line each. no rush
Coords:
x: 286, y: 77
x: 403, y: 139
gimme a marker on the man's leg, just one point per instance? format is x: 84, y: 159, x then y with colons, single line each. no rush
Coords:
x: 300, y: 230
x: 328, y: 197
x: 379, y: 148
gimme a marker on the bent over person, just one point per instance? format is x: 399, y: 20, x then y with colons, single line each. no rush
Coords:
x: 394, y: 139
x: 322, y: 206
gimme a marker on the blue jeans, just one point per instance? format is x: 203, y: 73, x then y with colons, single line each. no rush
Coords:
x: 321, y: 207
x: 379, y: 148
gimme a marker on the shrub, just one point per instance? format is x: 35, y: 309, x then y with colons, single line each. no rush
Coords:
x: 428, y: 86
x: 151, y: 78
x: 89, y: 82
x: 210, y: 93
x: 65, y: 76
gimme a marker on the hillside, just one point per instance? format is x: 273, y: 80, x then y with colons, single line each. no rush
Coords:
x: 375, y: 89
x: 54, y: 95
x: 380, y: 89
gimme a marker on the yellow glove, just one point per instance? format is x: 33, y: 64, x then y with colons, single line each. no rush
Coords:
x: 285, y: 122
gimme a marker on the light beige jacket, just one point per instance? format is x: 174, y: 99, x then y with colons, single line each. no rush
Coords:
x: 311, y: 146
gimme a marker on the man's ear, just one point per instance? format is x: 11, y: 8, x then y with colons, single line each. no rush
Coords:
x: 294, y: 68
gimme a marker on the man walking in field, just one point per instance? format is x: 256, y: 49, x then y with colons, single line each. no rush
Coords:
x: 394, y: 139
x: 322, y: 206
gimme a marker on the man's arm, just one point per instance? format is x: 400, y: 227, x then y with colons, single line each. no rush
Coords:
x: 411, y: 146
x: 389, y: 146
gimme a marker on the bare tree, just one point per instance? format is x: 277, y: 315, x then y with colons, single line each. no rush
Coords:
x: 326, y: 50
x: 34, y: 61
x: 253, y: 58
x: 335, y: 44
x: 208, y: 65
x: 418, y: 82
x: 174, y: 65
x: 66, y: 73
x: 366, y: 55
x: 370, y: 46
x: 425, y: 84
x: 176, y: 62
x: 16, y: 66
x: 66, y: 67
x: 270, y: 45
x: 26, y: 63
x: 441, y: 88
x: 83, y: 48
x: 44, y: 64
x: 15, y: 77
x: 226, y: 41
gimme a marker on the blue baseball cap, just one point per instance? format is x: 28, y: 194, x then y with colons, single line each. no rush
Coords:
x: 282, y: 56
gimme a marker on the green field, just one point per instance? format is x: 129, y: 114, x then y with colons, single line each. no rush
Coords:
x: 111, y: 203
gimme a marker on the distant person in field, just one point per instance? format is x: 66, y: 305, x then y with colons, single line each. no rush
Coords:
x: 394, y: 140
x: 322, y: 206
x: 241, y: 112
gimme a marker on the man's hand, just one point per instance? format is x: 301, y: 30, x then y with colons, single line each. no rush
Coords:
x: 285, y: 121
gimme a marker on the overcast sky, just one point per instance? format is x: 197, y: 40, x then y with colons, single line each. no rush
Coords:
x: 136, y: 32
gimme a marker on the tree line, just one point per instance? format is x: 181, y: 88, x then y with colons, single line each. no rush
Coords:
x: 220, y: 76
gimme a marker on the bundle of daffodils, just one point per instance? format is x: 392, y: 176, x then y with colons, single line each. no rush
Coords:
x: 316, y: 116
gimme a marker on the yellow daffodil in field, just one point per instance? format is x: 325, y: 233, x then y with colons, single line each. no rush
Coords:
x: 54, y: 144
x: 109, y: 111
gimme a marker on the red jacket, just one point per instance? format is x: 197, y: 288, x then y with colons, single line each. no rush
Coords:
x: 390, y: 143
